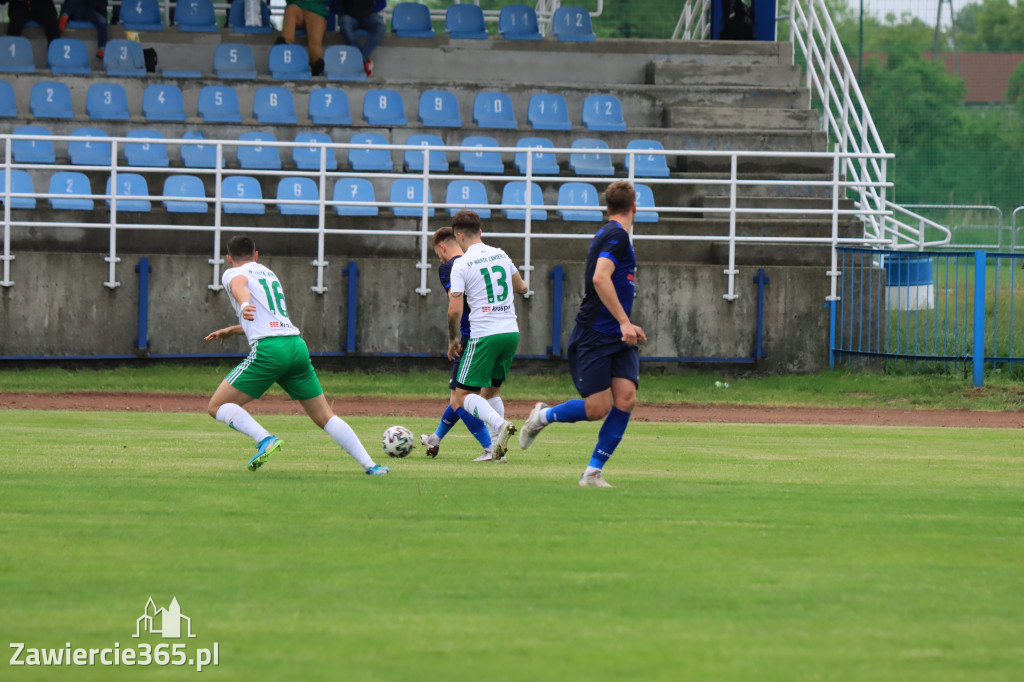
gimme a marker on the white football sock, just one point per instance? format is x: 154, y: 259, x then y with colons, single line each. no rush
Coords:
x: 481, y: 409
x: 236, y: 417
x: 497, y: 404
x: 347, y: 439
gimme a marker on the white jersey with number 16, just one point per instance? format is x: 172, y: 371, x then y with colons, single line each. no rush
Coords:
x: 484, y: 274
x: 266, y: 294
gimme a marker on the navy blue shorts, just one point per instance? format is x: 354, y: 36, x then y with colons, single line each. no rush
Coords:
x: 452, y: 384
x: 594, y: 358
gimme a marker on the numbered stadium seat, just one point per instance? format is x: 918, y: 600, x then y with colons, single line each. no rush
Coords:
x: 50, y: 99
x: 195, y: 16
x: 439, y: 109
x: 131, y: 186
x: 494, y: 110
x: 648, y: 165
x: 518, y: 22
x: 153, y: 154
x: 544, y: 163
x: 590, y: 162
x: 236, y: 19
x: 163, y: 102
x: 469, y: 194
x: 548, y: 112
x: 75, y: 186
x: 273, y: 104
x: 603, y: 112
x: 644, y: 200
x: 329, y: 106
x: 107, y: 102
x: 384, y: 108
x: 141, y: 15
x: 289, y: 63
x: 465, y: 21
x: 234, y: 60
x: 581, y: 194
x: 298, y: 188
x: 414, y: 158
x: 343, y: 63
x: 219, y: 104
x: 16, y: 55
x: 369, y: 159
x: 198, y: 155
x: 21, y: 183
x: 308, y: 158
x: 355, y: 189
x: 89, y: 152
x: 408, y: 191
x: 411, y: 20
x: 124, y: 58
x: 515, y: 193
x: 480, y: 161
x: 572, y: 24
x: 184, y: 187
x: 8, y: 104
x: 243, y: 194
x: 68, y: 56
x: 33, y: 151
x: 259, y: 156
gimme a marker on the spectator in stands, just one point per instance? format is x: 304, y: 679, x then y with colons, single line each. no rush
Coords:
x: 312, y: 16
x: 361, y: 14
x: 23, y: 11
x: 93, y: 11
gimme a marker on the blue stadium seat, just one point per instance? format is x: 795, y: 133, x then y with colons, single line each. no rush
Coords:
x: 236, y: 19
x: 369, y: 159
x: 439, y: 109
x: 124, y: 58
x: 163, y: 102
x: 295, y: 188
x: 8, y: 105
x: 467, y: 194
x: 185, y: 187
x: 411, y: 20
x: 50, y: 99
x: 107, y: 102
x: 544, y: 163
x: 198, y: 155
x: 152, y: 154
x: 414, y: 158
x: 548, y: 111
x: 581, y: 194
x: 33, y: 151
x: 88, y: 152
x: 219, y: 104
x: 258, y: 157
x: 242, y: 187
x: 130, y: 186
x: 573, y: 24
x: 272, y: 104
x: 76, y: 186
x: 480, y: 162
x: 465, y: 21
x: 515, y: 193
x: 603, y: 112
x: 384, y: 108
x: 644, y: 200
x: 234, y: 60
x: 518, y: 22
x: 590, y: 163
x: 308, y: 158
x: 407, y: 191
x: 329, y: 106
x: 494, y: 110
x: 141, y: 15
x: 21, y: 183
x: 648, y: 165
x: 16, y: 55
x: 354, y: 189
x: 289, y: 63
x: 195, y: 16
x: 68, y: 56
x: 343, y: 63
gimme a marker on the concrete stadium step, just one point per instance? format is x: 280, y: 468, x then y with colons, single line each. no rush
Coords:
x: 736, y: 117
x: 734, y: 96
x: 677, y: 73
x: 810, y: 207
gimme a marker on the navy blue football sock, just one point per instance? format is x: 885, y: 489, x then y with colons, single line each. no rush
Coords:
x: 448, y: 420
x: 476, y: 426
x: 609, y: 436
x: 569, y: 412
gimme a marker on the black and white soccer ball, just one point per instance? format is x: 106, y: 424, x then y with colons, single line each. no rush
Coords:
x: 397, y: 441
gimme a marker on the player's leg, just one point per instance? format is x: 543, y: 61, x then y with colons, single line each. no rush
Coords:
x: 495, y: 355
x: 432, y: 441
x: 493, y: 397
x: 246, y: 382
x: 477, y: 426
x: 625, y: 379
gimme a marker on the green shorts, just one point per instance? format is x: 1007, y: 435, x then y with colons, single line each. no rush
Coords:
x: 486, y: 360
x: 281, y: 359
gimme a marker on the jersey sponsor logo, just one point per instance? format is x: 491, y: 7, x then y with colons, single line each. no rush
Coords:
x: 496, y: 308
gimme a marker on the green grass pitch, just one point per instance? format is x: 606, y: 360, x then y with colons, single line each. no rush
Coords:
x: 725, y: 552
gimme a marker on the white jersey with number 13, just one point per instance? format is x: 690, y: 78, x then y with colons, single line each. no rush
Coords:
x: 484, y: 274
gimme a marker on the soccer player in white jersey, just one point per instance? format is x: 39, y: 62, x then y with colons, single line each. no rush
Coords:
x: 486, y: 278
x: 277, y: 354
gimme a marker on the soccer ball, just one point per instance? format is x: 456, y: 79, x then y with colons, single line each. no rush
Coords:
x: 397, y: 441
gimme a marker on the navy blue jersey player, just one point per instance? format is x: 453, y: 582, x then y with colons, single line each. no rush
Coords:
x: 603, y: 354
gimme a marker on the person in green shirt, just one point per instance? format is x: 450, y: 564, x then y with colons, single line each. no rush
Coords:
x: 312, y: 16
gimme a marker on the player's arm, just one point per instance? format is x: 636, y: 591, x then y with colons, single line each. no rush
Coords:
x: 455, y: 304
x: 239, y: 288
x: 605, y: 288
x: 518, y: 285
x: 224, y: 333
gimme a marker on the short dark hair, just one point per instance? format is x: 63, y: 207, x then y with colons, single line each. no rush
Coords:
x: 443, y: 235
x: 619, y: 197
x: 466, y: 221
x: 241, y: 246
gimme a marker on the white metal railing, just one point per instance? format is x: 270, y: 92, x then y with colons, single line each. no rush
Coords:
x: 694, y: 21
x: 834, y: 184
